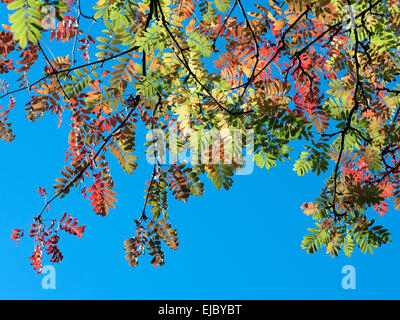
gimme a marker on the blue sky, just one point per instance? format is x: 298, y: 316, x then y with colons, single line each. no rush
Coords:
x: 238, y: 244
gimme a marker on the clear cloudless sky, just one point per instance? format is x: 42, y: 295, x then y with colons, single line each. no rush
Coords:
x: 238, y: 244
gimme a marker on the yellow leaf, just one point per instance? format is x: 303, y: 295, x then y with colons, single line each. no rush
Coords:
x: 309, y: 208
x: 176, y: 24
x: 278, y: 25
x: 190, y: 26
x: 61, y: 180
x: 271, y: 17
x: 143, y: 6
x: 255, y: 14
x: 261, y: 8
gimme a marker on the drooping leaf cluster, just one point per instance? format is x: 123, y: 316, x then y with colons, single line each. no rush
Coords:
x: 196, y: 71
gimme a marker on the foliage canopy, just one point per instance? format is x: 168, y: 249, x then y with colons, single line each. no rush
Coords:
x: 323, y: 72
